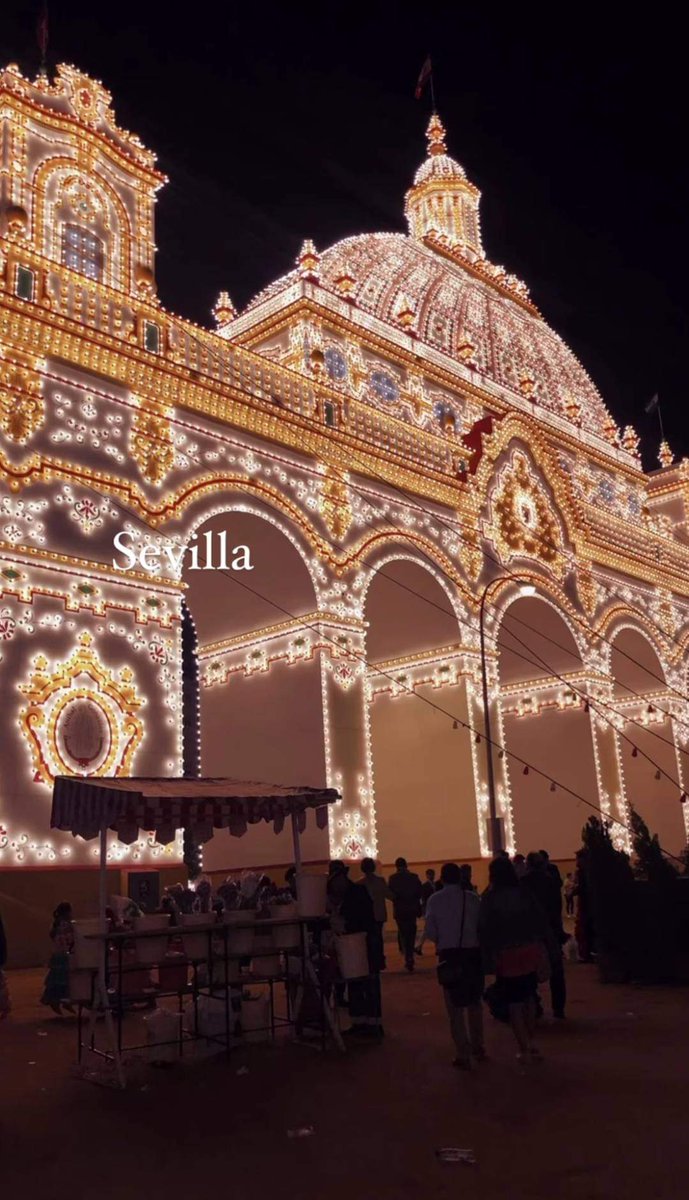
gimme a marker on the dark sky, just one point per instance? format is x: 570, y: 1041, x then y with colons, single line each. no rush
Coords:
x: 280, y: 121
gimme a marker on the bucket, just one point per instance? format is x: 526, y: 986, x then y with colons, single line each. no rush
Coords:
x: 311, y: 894
x: 163, y: 1026
x: 352, y: 955
x: 151, y: 950
x: 264, y: 960
x: 255, y: 1017
x: 285, y: 937
x: 173, y: 972
x: 240, y: 941
x: 87, y: 953
x: 195, y: 944
x: 80, y: 985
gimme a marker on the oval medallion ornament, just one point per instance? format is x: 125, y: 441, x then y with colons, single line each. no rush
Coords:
x: 84, y: 733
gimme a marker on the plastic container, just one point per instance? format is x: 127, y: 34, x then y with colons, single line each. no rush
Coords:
x: 240, y: 941
x: 195, y: 944
x: 87, y: 952
x: 352, y: 955
x: 151, y: 950
x: 285, y: 937
x: 255, y: 1017
x: 211, y: 1011
x: 311, y: 894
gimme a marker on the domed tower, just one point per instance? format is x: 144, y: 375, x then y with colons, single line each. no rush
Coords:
x: 443, y: 204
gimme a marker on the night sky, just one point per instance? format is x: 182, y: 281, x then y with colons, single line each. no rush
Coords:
x: 277, y: 122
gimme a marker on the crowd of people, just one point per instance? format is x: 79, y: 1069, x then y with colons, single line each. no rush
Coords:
x: 513, y: 931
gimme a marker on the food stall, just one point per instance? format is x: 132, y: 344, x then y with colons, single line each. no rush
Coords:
x: 94, y: 807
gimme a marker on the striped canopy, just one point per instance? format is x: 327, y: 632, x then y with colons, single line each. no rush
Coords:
x: 84, y: 807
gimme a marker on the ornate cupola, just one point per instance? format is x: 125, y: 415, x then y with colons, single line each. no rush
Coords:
x: 442, y: 205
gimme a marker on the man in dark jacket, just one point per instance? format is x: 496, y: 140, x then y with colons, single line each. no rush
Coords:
x: 541, y: 883
x: 352, y: 911
x: 406, y: 890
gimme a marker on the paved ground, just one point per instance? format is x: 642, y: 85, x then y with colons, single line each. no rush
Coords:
x: 603, y: 1118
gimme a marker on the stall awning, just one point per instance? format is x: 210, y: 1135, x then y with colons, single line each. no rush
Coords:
x: 162, y: 806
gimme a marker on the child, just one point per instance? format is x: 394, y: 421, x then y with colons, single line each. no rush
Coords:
x: 56, y: 985
x: 569, y: 894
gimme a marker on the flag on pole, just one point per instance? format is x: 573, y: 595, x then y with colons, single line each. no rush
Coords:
x: 42, y: 33
x: 426, y: 73
x: 652, y: 404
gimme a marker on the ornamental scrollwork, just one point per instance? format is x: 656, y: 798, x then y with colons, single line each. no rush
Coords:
x: 521, y: 520
x: 151, y: 443
x: 22, y: 408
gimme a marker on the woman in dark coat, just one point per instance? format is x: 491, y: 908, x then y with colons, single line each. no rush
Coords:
x: 515, y: 937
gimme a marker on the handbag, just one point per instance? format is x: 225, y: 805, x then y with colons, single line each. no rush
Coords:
x: 458, y: 971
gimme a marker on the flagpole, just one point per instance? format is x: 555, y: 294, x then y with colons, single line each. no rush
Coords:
x: 660, y: 422
x: 432, y: 91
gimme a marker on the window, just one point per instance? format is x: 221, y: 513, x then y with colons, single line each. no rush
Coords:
x: 24, y: 283
x: 151, y: 337
x: 329, y: 414
x: 384, y: 386
x: 82, y: 251
x: 335, y: 364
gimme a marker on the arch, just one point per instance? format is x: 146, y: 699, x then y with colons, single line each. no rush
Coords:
x: 618, y: 617
x: 261, y: 705
x: 118, y: 272
x: 507, y: 589
x: 421, y: 764
x: 544, y: 724
x: 370, y: 569
x: 650, y: 761
x: 239, y: 506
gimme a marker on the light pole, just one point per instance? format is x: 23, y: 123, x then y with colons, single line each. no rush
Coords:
x: 494, y: 821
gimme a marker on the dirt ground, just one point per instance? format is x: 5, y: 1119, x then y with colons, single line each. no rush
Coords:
x: 603, y: 1118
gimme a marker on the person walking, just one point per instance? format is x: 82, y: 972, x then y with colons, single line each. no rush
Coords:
x: 5, y: 1005
x: 568, y: 891
x: 405, y: 889
x: 452, y: 924
x: 514, y: 935
x: 541, y: 883
x: 352, y: 912
x: 428, y: 887
x: 379, y: 892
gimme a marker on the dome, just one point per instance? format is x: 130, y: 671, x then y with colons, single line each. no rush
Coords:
x: 462, y: 316
x: 453, y: 298
x: 441, y: 166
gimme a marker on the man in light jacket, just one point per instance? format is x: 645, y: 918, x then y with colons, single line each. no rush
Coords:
x: 452, y: 923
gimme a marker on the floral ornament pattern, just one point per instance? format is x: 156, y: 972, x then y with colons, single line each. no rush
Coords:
x: 151, y: 443
x: 522, y: 521
x: 8, y: 625
x: 157, y: 652
x: 335, y: 504
x: 22, y: 408
x: 57, y: 695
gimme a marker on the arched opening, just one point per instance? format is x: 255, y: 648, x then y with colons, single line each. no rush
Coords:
x: 546, y: 725
x: 260, y: 706
x: 422, y: 767
x: 642, y: 695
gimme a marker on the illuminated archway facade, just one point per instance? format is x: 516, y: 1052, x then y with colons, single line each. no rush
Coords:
x: 396, y: 399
